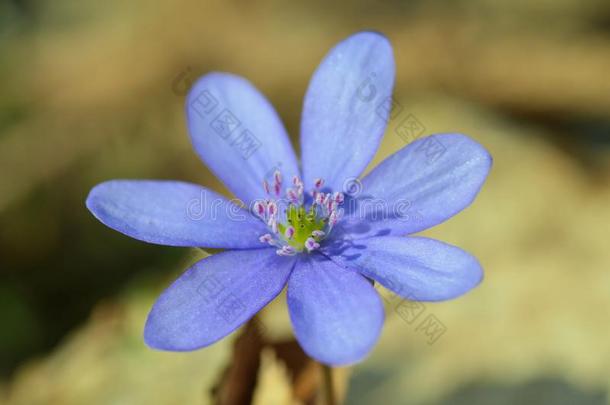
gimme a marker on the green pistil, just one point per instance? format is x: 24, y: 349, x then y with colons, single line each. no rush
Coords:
x: 304, y: 223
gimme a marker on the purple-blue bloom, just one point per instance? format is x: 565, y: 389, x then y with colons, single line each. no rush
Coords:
x: 313, y: 226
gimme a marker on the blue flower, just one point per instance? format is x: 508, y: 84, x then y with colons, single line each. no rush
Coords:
x: 313, y: 227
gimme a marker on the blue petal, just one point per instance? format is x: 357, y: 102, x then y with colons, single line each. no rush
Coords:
x: 422, y: 185
x: 174, y: 213
x: 215, y: 297
x: 419, y: 269
x: 238, y: 134
x: 337, y: 315
x: 345, y: 109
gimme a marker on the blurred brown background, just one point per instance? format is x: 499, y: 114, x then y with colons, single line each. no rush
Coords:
x: 94, y: 90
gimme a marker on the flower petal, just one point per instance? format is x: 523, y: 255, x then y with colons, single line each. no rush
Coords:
x: 174, y: 213
x: 214, y: 297
x: 345, y: 109
x: 336, y: 314
x: 421, y: 185
x: 419, y: 269
x: 238, y: 134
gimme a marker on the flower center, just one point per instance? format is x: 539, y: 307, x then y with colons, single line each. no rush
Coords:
x: 296, y: 222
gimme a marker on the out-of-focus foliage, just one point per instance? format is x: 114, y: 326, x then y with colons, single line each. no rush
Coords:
x: 95, y: 90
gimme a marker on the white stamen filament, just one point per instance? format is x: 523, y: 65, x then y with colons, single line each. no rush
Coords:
x: 317, y: 234
x: 286, y: 251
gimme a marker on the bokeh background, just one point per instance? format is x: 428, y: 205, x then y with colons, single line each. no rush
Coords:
x: 94, y: 90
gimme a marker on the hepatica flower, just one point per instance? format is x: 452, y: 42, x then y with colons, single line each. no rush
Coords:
x: 315, y: 227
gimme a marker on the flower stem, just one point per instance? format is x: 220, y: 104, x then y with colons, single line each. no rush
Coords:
x: 329, y: 390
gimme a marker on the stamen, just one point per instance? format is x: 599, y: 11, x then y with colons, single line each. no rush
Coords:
x: 266, y: 238
x: 277, y: 177
x: 289, y: 233
x: 286, y: 251
x: 272, y: 224
x: 326, y: 199
x: 260, y: 207
x: 292, y: 195
x: 319, y: 198
x: 301, y: 226
x: 277, y: 183
x: 311, y: 244
x: 317, y: 233
x: 272, y: 208
x: 296, y: 181
x: 333, y: 218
